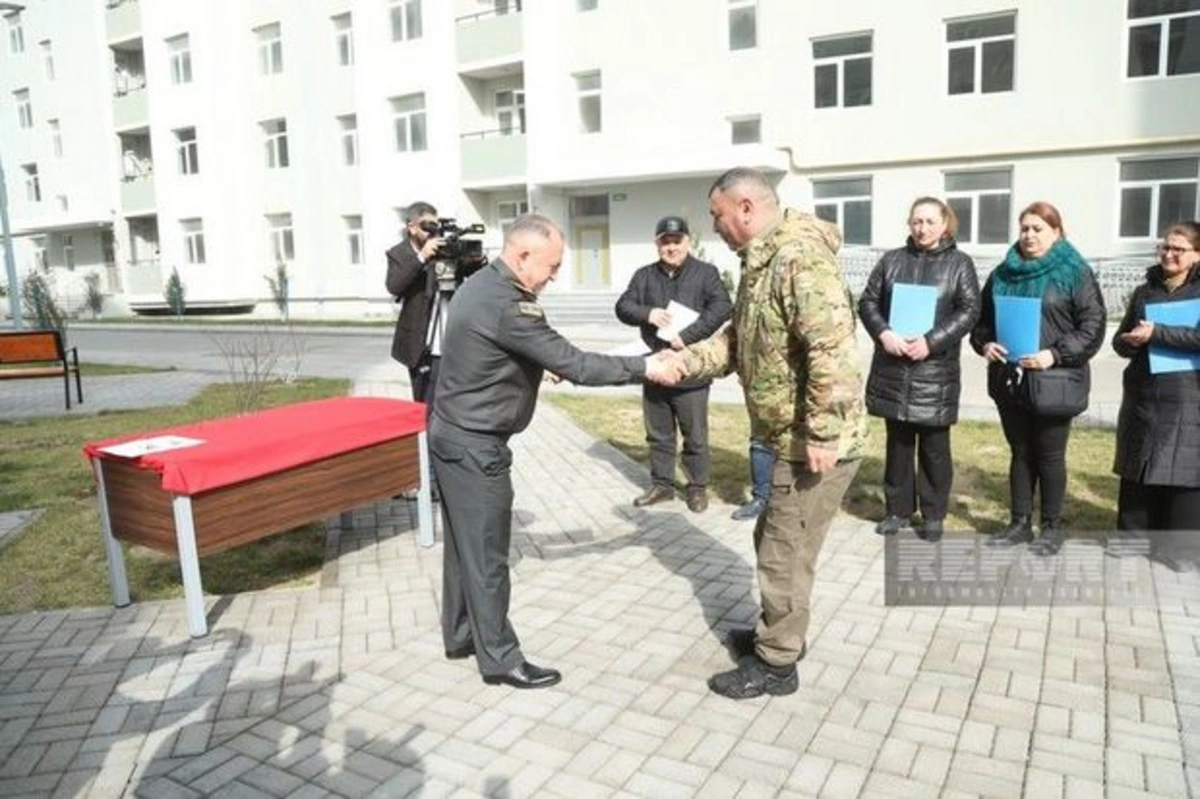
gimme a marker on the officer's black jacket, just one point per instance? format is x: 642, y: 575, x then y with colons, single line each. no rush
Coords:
x: 497, y: 346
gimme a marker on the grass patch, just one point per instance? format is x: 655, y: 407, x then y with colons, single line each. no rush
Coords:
x: 978, y: 501
x: 108, y: 369
x: 59, y: 560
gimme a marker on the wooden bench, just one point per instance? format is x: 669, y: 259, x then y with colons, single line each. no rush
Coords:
x: 26, y: 348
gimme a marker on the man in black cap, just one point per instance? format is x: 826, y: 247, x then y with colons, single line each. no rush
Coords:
x: 695, y: 285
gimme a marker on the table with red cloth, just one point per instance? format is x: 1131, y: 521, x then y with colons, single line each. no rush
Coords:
x: 225, y: 482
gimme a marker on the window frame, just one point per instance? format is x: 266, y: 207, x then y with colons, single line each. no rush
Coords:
x: 275, y: 142
x: 409, y: 120
x: 969, y: 234
x: 269, y: 39
x: 24, y: 106
x: 179, y: 57
x: 977, y: 46
x: 1163, y: 22
x: 503, y: 220
x: 838, y: 62
x: 33, y: 182
x: 839, y: 201
x: 47, y: 48
x: 401, y: 17
x: 588, y: 95
x: 353, y: 239
x: 16, y: 33
x: 187, y: 151
x: 1155, y: 185
x: 56, y: 140
x: 742, y: 119
x: 192, y: 233
x: 348, y: 138
x: 516, y: 108
x: 740, y: 6
x: 281, y: 238
x: 343, y: 38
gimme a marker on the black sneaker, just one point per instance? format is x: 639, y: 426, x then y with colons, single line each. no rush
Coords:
x: 890, y: 525
x: 740, y: 641
x: 930, y: 530
x: 1019, y: 531
x: 754, y: 677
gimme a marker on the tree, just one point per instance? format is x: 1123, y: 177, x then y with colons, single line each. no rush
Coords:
x: 38, y: 299
x: 279, y: 288
x: 175, y: 294
x: 93, y: 300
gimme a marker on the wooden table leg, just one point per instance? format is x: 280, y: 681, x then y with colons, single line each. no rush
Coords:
x: 424, y: 494
x: 117, y: 578
x: 189, y: 565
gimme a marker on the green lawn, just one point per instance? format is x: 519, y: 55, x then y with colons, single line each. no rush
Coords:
x: 59, y: 560
x: 978, y: 501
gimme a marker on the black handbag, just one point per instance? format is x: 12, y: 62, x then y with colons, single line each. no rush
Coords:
x: 1056, y: 392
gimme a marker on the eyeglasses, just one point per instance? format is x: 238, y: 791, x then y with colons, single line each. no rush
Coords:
x: 1169, y: 250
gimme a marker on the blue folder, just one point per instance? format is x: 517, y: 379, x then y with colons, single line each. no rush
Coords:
x: 1019, y: 325
x: 1174, y: 314
x: 912, y: 310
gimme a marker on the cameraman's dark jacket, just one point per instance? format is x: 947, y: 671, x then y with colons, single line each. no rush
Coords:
x: 413, y: 285
x: 696, y: 284
x: 496, y: 347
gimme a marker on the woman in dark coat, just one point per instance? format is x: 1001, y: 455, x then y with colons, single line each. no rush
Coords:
x: 1042, y: 264
x: 915, y: 377
x: 1158, y: 430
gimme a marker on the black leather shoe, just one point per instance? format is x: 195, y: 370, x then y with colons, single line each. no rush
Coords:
x: 1019, y: 531
x: 697, y: 499
x: 1051, y: 541
x: 754, y: 677
x: 751, y: 510
x: 890, y: 525
x: 460, y: 653
x: 741, y: 643
x: 930, y: 531
x: 656, y: 494
x: 525, y: 675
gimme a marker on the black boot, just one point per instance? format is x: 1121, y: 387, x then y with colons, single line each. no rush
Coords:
x: 1019, y: 531
x: 1052, y: 538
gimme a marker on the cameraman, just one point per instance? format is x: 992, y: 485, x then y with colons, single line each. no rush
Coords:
x: 411, y: 283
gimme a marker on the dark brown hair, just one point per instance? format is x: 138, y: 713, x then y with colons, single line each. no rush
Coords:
x: 1047, y: 212
x: 1188, y: 230
x: 948, y: 215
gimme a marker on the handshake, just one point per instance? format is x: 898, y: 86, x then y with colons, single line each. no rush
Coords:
x: 666, y: 367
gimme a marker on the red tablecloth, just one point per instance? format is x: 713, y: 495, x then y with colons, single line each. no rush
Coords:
x: 241, y: 448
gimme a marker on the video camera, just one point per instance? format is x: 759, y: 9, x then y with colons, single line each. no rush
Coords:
x: 458, y: 258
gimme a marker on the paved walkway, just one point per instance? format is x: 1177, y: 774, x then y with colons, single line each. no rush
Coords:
x: 341, y: 689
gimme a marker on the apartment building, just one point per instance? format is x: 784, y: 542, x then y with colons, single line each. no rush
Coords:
x: 224, y: 138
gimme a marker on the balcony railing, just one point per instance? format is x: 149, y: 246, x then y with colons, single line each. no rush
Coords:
x: 493, y: 156
x: 489, y: 37
x: 123, y: 19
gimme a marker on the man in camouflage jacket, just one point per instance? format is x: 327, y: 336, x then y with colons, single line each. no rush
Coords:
x: 792, y: 344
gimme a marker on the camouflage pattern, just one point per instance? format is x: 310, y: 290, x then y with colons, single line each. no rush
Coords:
x: 792, y: 342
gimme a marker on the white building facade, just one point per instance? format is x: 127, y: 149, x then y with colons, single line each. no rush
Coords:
x: 224, y: 138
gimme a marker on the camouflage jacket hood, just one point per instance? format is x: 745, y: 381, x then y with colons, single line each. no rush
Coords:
x: 792, y: 341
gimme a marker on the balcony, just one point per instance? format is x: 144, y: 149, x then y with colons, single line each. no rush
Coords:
x: 493, y: 158
x: 131, y: 109
x: 137, y: 194
x: 123, y: 19
x: 487, y: 42
x: 144, y: 277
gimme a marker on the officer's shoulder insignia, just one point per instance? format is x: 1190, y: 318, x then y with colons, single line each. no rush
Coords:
x: 530, y: 309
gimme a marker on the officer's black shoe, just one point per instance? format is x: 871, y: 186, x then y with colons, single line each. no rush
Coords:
x: 755, y: 677
x: 751, y: 510
x: 1019, y: 531
x: 741, y: 643
x: 525, y: 675
x: 890, y: 525
x: 930, y: 530
x: 697, y: 499
x: 1052, y: 539
x: 656, y: 493
x: 460, y: 653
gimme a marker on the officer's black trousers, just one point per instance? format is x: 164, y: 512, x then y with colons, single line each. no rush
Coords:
x: 474, y: 474
x: 661, y: 408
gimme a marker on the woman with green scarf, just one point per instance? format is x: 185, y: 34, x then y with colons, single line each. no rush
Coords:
x: 1039, y: 391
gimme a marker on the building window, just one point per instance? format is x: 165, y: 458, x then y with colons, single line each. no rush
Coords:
x: 508, y: 212
x: 38, y: 246
x: 16, y: 34
x: 343, y: 39
x: 180, y: 50
x: 408, y: 113
x: 981, y: 53
x: 1152, y: 22
x: 349, y: 134
x: 63, y: 202
x: 55, y: 137
x: 745, y: 130
x: 354, y: 240
x: 587, y: 86
x: 47, y: 58
x: 275, y: 141
x: 193, y: 240
x: 69, y: 252
x: 188, y: 151
x: 1156, y: 194
x: 586, y: 5
x: 280, y: 244
x: 502, y: 7
x: 270, y: 49
x: 743, y: 24
x: 846, y: 203
x: 982, y: 201
x: 406, y: 20
x: 842, y: 71
x: 24, y: 109
x: 510, y: 111
x: 33, y: 188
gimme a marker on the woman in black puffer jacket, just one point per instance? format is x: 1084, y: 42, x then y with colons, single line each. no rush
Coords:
x: 1038, y: 393
x: 915, y: 377
x: 1158, y: 430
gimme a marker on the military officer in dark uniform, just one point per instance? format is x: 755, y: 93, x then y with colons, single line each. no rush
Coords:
x: 496, y: 347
